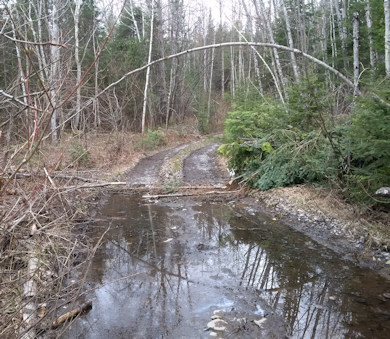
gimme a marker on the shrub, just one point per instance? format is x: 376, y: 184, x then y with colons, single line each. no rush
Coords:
x: 367, y: 140
x: 269, y: 146
x: 152, y: 139
x: 79, y: 155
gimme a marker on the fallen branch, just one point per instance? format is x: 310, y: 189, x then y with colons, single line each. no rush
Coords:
x: 103, y: 184
x: 71, y: 314
x: 56, y: 176
x: 175, y: 195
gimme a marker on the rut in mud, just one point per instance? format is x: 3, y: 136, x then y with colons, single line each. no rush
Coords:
x: 197, y: 165
x: 202, y: 166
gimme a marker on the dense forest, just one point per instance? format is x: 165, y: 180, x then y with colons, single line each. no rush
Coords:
x: 307, y: 81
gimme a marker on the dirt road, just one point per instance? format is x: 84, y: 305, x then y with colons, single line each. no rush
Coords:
x: 193, y: 163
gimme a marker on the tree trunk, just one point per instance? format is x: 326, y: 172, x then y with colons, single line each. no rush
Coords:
x: 222, y: 53
x: 387, y: 36
x: 96, y: 108
x: 210, y: 83
x: 275, y: 51
x: 54, y: 70
x: 135, y: 23
x: 341, y: 29
x: 370, y: 40
x: 255, y: 56
x: 161, y: 81
x: 356, y: 64
x: 290, y: 41
x: 76, y: 121
x: 333, y: 34
x: 147, y: 73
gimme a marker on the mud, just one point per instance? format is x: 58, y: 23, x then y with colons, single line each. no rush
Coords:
x: 147, y: 172
x: 186, y: 269
x: 201, y: 166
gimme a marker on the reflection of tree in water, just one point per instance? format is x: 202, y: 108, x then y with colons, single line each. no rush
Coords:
x: 303, y: 282
x: 138, y: 248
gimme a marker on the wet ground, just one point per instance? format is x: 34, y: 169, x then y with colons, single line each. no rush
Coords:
x: 200, y: 166
x: 148, y: 171
x: 197, y: 166
x: 198, y: 269
x: 187, y: 269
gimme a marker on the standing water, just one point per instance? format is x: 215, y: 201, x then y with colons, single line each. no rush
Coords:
x: 188, y: 269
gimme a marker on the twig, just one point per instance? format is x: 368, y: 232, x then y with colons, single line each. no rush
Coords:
x: 115, y: 183
x: 71, y: 314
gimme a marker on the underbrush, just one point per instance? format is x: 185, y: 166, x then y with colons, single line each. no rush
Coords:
x: 38, y: 249
x: 270, y: 145
x: 152, y: 140
x: 41, y: 210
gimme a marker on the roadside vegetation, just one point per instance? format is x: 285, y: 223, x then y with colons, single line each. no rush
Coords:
x: 271, y: 145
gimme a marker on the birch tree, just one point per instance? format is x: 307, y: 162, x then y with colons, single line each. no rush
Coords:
x: 55, y: 68
x: 290, y: 41
x: 387, y: 36
x: 356, y: 63
x: 341, y: 30
x: 370, y: 39
x: 278, y: 65
x: 147, y: 72
x: 76, y: 121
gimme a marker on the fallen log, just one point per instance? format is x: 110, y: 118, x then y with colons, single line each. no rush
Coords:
x: 71, y: 314
x: 175, y: 195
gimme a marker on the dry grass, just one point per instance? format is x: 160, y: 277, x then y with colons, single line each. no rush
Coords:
x: 108, y: 153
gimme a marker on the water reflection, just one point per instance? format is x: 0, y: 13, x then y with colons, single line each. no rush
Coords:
x: 165, y: 268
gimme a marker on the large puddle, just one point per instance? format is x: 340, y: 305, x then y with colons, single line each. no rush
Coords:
x: 166, y: 269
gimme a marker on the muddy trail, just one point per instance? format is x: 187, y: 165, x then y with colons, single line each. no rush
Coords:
x: 193, y: 163
x: 180, y: 267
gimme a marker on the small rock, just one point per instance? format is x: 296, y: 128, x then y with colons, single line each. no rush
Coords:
x: 386, y: 295
x: 332, y: 297
x: 216, y: 312
x: 217, y: 325
x: 260, y: 322
x: 383, y: 192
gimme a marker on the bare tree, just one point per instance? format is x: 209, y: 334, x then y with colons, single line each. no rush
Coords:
x: 290, y: 41
x: 55, y: 68
x: 278, y: 65
x: 340, y: 14
x: 76, y: 15
x: 356, y: 63
x: 147, y: 78
x: 370, y: 39
x: 387, y: 36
